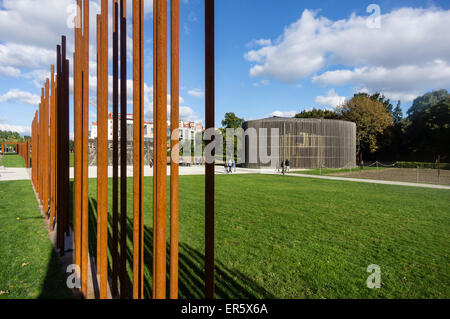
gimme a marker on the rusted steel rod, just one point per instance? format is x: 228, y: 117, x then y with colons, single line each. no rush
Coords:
x: 52, y: 148
x: 78, y: 125
x: 123, y: 149
x: 175, y: 149
x: 138, y: 149
x: 59, y: 206
x: 155, y: 150
x: 209, y: 170
x: 65, y: 200
x: 45, y: 147
x: 84, y: 61
x: 115, y: 150
x: 102, y: 151
x: 160, y: 119
x: 99, y: 98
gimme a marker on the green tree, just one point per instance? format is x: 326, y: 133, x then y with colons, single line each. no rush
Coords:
x: 371, y: 118
x: 425, y: 101
x: 397, y: 115
x: 318, y: 114
x: 378, y: 97
x: 232, y: 121
x: 429, y: 132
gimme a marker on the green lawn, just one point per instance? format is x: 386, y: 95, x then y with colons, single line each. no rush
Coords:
x: 29, y: 267
x: 328, y: 171
x: 12, y: 160
x: 276, y: 237
x: 290, y: 237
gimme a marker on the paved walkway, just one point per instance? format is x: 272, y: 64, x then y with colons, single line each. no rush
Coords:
x: 12, y: 174
x: 371, y: 181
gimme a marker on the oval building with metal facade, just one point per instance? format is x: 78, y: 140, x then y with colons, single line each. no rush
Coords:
x: 306, y: 143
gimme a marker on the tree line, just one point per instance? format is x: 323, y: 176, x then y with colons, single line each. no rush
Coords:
x: 384, y: 133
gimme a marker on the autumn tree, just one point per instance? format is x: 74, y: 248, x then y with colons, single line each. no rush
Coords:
x: 371, y: 118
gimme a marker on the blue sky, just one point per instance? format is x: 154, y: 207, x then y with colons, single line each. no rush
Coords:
x: 272, y: 56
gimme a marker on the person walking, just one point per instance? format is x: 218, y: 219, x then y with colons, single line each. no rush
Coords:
x: 287, y: 165
x: 234, y: 166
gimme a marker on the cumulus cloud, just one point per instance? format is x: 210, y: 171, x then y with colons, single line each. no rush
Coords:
x: 283, y: 113
x: 22, y: 130
x: 331, y: 99
x: 198, y: 93
x: 16, y: 95
x: 411, y: 43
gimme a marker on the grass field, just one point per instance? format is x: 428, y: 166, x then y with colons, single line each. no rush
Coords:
x: 276, y: 237
x: 288, y: 237
x: 29, y: 267
x: 12, y: 160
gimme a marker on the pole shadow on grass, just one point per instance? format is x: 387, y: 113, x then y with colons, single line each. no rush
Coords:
x: 230, y: 283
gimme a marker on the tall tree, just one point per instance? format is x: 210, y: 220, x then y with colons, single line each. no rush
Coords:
x: 425, y: 101
x: 371, y: 118
x: 397, y: 115
x: 232, y: 121
x: 378, y: 97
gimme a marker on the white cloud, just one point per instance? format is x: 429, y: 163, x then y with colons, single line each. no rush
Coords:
x: 196, y: 93
x: 22, y: 130
x: 260, y: 42
x: 409, y: 43
x: 331, y: 99
x: 16, y: 95
x: 283, y: 113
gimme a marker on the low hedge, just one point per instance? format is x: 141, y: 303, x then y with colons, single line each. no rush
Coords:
x: 422, y: 165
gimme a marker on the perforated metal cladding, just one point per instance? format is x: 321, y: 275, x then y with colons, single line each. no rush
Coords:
x: 307, y: 143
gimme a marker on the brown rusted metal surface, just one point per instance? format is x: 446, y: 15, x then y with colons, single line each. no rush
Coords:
x: 52, y: 147
x: 175, y: 149
x: 84, y: 62
x: 102, y: 149
x: 115, y: 150
x: 160, y: 119
x: 209, y: 170
x: 123, y: 150
x: 138, y: 149
x: 155, y: 150
x: 45, y: 148
x: 99, y: 54
x: 78, y: 124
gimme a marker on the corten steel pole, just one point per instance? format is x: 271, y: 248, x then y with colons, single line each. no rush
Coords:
x: 155, y: 151
x: 102, y: 149
x: 41, y: 151
x: 45, y: 166
x: 161, y: 147
x: 84, y: 61
x: 115, y: 149
x: 59, y: 206
x: 52, y: 147
x: 175, y: 148
x: 123, y: 149
x: 138, y: 147
x: 65, y: 137
x: 209, y: 170
x: 77, y: 120
x: 99, y: 98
